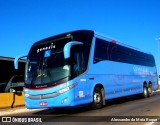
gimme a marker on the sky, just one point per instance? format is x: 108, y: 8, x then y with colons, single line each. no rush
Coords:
x: 133, y: 22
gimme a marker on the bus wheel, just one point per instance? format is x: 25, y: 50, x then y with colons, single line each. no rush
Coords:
x: 97, y: 99
x: 149, y: 90
x: 145, y: 92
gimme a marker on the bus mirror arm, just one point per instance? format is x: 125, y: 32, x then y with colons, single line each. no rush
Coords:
x: 16, y: 61
x: 68, y: 46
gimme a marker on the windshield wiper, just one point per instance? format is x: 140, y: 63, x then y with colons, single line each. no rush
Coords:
x: 49, y: 74
x: 33, y: 79
x: 55, y: 82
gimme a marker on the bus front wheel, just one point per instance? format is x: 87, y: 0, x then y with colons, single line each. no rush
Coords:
x: 97, y: 99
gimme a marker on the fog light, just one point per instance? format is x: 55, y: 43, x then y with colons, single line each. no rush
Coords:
x: 64, y: 100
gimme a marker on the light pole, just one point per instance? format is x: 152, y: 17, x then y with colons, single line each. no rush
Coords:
x: 158, y: 39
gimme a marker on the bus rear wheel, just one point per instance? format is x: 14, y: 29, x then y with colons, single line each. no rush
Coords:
x: 145, y: 92
x: 97, y: 99
x: 149, y: 90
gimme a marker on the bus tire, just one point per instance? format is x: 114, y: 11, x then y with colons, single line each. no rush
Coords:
x: 149, y: 90
x: 97, y: 99
x: 145, y: 91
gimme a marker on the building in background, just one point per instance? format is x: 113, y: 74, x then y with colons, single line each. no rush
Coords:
x: 11, y: 79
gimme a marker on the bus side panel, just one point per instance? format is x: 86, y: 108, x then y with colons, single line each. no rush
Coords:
x: 120, y: 79
x: 82, y: 94
x: 114, y: 89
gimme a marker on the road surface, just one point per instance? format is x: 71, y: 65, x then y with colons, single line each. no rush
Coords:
x: 124, y: 109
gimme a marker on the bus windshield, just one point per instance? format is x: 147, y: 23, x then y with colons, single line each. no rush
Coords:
x: 46, y: 65
x: 44, y: 70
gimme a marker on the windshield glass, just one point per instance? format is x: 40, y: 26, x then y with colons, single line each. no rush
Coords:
x: 46, y: 68
x: 46, y: 65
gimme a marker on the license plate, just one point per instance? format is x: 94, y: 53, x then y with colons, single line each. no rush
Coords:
x: 43, y: 103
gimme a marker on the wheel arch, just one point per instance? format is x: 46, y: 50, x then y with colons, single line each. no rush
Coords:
x: 150, y: 83
x: 145, y: 84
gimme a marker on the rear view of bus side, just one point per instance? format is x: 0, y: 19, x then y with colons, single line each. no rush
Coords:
x: 82, y: 67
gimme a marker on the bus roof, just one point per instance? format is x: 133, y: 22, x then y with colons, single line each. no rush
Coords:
x: 66, y: 34
x: 91, y: 33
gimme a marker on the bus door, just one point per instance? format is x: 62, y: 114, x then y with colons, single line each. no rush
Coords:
x: 78, y: 68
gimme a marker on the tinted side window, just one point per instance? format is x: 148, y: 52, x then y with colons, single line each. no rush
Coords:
x: 105, y: 50
x: 100, y: 52
x: 78, y: 60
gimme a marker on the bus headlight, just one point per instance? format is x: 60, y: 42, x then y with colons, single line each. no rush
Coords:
x: 27, y: 95
x: 66, y: 88
x: 63, y: 90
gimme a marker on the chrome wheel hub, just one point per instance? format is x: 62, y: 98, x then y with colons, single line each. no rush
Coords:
x: 97, y: 98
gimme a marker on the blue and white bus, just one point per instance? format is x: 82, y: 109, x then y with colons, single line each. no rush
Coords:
x: 82, y: 67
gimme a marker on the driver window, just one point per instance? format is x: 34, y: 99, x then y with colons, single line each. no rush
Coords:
x: 77, y: 57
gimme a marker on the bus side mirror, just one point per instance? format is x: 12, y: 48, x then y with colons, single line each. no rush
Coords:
x: 158, y: 76
x: 67, y: 48
x: 16, y: 61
